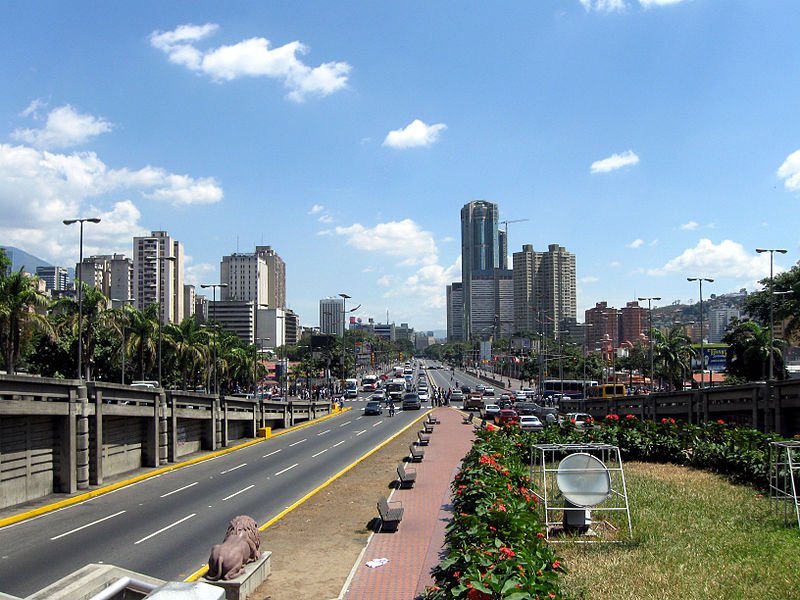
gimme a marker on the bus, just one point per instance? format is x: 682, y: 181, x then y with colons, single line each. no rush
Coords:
x: 351, y: 388
x: 369, y: 383
x: 572, y: 388
x: 608, y: 390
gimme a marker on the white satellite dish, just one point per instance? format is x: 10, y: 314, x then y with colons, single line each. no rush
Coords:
x: 584, y: 482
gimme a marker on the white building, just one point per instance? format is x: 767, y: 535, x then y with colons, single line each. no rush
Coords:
x: 158, y: 275
x: 331, y: 316
x: 718, y: 320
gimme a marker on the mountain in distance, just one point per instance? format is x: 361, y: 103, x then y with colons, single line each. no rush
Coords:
x: 21, y: 259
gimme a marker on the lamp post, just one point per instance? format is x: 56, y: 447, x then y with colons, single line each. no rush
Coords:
x: 80, y: 284
x: 256, y: 307
x: 344, y: 298
x: 161, y: 311
x: 284, y: 364
x: 124, y: 301
x: 585, y: 327
x: 214, y: 287
x: 702, y: 347
x: 650, y: 337
x: 772, y: 252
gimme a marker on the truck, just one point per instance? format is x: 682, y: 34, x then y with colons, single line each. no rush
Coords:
x: 351, y: 388
x: 473, y: 400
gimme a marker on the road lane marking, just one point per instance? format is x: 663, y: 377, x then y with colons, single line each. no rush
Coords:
x: 338, y: 444
x: 116, y: 514
x: 233, y: 469
x: 186, y: 487
x: 300, y: 442
x: 163, y: 529
x: 359, y: 418
x: 360, y: 432
x: 324, y: 432
x: 286, y: 469
x: 271, y: 453
x: 239, y: 492
x: 318, y: 453
x: 345, y: 423
x: 376, y: 424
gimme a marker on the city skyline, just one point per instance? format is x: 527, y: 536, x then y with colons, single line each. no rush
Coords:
x: 655, y: 140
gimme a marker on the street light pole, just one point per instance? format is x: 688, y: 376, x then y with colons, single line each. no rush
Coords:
x: 650, y: 337
x: 161, y: 311
x: 585, y: 327
x: 702, y: 341
x: 79, y: 286
x: 344, y: 298
x: 124, y: 301
x: 214, y: 287
x: 772, y: 252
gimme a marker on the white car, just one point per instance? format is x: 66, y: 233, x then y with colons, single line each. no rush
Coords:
x: 520, y: 397
x: 530, y: 423
x: 491, y: 410
x: 423, y: 395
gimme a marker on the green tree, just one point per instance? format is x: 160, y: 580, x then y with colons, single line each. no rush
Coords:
x: 749, y: 351
x: 673, y: 353
x: 142, y: 339
x: 785, y: 306
x: 189, y: 348
x: 19, y: 299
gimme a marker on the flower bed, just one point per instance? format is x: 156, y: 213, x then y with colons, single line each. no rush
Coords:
x: 495, y: 541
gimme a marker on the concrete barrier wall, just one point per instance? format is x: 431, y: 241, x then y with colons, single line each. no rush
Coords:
x: 63, y: 436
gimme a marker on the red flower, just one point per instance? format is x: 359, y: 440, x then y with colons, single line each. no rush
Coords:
x: 540, y: 535
x: 506, y: 552
x: 556, y: 564
x: 630, y: 416
x: 612, y: 417
x: 456, y: 574
x: 720, y: 422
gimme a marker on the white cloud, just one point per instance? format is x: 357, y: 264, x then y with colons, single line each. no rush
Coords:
x: 425, y: 289
x: 726, y: 259
x: 690, y: 226
x: 614, y: 162
x: 385, y: 281
x: 196, y: 274
x: 252, y: 58
x: 614, y: 264
x: 789, y: 171
x: 403, y: 239
x: 317, y: 208
x: 637, y: 243
x: 653, y: 243
x: 604, y: 5
x: 32, y: 110
x: 325, y: 219
x: 415, y: 134
x: 65, y: 128
x: 447, y: 239
x: 649, y: 3
x: 590, y: 279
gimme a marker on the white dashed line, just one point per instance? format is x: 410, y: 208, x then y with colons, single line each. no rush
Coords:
x: 360, y: 432
x: 376, y: 424
x: 300, y: 442
x: 239, y: 492
x: 324, y: 432
x: 338, y: 444
x: 318, y: 453
x: 233, y: 469
x: 286, y: 469
x: 163, y: 529
x: 186, y: 487
x: 345, y: 423
x: 87, y: 525
x: 271, y: 453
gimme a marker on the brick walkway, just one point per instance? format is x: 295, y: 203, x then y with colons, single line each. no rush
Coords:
x: 415, y: 547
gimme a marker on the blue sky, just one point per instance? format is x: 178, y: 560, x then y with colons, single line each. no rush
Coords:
x: 655, y: 139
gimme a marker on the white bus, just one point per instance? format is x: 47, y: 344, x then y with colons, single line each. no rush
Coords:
x: 369, y: 383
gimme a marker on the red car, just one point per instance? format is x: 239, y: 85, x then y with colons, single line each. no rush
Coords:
x: 507, y: 416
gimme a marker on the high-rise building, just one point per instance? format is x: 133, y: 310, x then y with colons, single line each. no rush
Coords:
x: 246, y: 277
x: 488, y: 302
x: 545, y: 297
x: 604, y: 332
x: 718, y: 320
x: 276, y: 274
x: 111, y: 274
x: 292, y: 327
x: 158, y: 274
x: 331, y: 316
x: 55, y: 278
x: 455, y: 312
x: 235, y: 316
x: 189, y: 300
x: 634, y: 322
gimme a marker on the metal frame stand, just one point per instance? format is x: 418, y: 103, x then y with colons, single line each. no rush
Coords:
x: 543, y: 468
x: 784, y: 478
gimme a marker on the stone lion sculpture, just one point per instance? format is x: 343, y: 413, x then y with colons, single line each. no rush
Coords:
x: 240, y: 546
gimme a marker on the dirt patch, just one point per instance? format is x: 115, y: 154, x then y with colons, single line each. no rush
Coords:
x: 315, y: 546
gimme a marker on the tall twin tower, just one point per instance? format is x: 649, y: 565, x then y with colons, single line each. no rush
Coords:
x: 536, y: 296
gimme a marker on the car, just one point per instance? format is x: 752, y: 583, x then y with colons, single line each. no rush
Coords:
x: 507, y: 416
x: 489, y: 392
x: 480, y: 387
x: 377, y: 397
x: 411, y: 402
x: 466, y: 389
x: 520, y: 396
x: 490, y: 410
x: 530, y: 423
x: 457, y: 396
x: 580, y: 420
x: 423, y: 395
x: 373, y: 407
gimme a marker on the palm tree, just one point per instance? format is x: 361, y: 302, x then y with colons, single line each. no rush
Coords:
x: 142, y: 341
x: 96, y: 315
x: 19, y: 297
x: 673, y: 353
x: 189, y: 345
x: 749, y: 351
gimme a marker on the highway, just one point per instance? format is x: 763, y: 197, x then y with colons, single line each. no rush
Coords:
x: 165, y: 526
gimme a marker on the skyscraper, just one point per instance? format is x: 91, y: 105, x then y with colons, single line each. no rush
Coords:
x: 331, y: 316
x: 455, y: 312
x: 545, y: 298
x: 486, y: 282
x: 158, y: 274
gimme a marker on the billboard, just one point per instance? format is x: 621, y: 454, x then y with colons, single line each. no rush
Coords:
x: 715, y: 357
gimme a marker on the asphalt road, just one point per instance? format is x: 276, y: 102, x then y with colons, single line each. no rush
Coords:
x: 165, y: 526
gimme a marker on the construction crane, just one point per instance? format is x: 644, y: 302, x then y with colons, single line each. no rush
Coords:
x: 506, y: 222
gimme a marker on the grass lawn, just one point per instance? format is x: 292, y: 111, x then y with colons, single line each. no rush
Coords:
x: 695, y: 536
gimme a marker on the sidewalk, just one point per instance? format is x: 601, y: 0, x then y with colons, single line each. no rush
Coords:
x: 414, y: 549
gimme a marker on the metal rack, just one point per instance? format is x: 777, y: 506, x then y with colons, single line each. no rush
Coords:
x: 784, y: 478
x: 543, y: 469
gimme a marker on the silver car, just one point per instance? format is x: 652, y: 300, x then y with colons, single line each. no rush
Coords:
x: 530, y: 423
